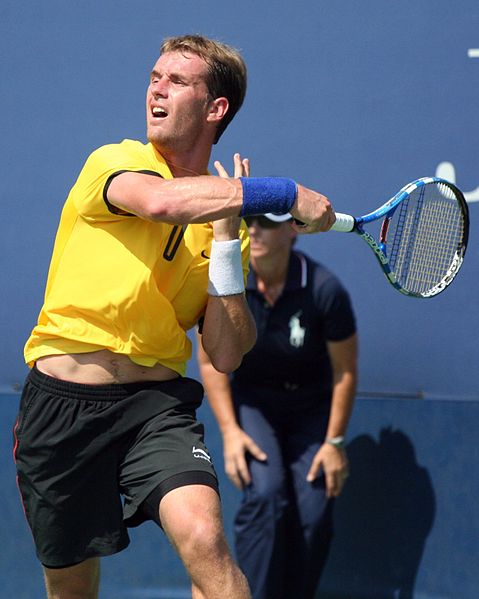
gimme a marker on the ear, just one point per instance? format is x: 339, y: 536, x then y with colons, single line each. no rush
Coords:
x: 217, y: 109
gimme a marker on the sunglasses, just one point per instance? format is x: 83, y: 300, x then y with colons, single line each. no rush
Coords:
x: 262, y: 221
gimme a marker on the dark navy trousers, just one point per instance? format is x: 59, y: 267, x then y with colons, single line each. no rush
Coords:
x: 283, y: 527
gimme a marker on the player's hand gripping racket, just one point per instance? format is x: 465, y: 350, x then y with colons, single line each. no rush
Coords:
x: 422, y: 238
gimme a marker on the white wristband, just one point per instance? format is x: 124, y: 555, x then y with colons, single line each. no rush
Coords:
x: 226, y: 269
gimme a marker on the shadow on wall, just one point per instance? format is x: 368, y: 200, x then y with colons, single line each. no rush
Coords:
x: 382, y: 521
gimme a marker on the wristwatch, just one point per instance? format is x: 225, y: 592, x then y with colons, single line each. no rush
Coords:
x: 337, y: 442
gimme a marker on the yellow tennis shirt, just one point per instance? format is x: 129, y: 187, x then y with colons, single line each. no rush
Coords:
x: 119, y: 282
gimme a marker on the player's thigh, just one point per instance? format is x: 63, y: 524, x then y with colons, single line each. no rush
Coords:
x: 191, y: 517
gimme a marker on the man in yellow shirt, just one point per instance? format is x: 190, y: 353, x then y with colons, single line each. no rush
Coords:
x: 148, y: 245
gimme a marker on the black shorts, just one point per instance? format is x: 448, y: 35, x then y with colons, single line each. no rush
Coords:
x: 80, y: 448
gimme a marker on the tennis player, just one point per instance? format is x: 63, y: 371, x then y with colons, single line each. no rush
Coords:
x: 285, y: 412
x: 148, y: 245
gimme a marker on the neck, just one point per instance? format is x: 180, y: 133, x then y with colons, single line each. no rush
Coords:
x: 186, y: 166
x: 271, y: 273
x: 272, y: 269
x: 187, y: 163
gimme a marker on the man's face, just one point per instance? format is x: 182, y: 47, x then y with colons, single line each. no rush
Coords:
x: 177, y: 101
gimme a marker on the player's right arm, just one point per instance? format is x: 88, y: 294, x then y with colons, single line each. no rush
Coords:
x: 236, y: 443
x: 204, y: 198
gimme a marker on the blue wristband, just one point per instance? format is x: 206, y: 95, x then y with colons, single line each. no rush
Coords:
x: 267, y: 194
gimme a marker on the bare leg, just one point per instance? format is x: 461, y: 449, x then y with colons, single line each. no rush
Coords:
x: 77, y: 582
x: 191, y: 517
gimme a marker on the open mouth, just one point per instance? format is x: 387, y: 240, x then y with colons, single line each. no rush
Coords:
x: 159, y: 113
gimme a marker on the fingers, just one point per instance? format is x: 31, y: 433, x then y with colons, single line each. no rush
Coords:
x: 236, y: 465
x: 227, y: 228
x: 334, y: 463
x: 256, y: 451
x: 314, y: 471
x: 238, y: 471
x: 330, y: 219
x: 220, y: 169
x: 335, y: 482
x: 302, y: 228
x: 319, y: 224
x: 314, y: 210
x: 324, y: 225
x: 241, y: 167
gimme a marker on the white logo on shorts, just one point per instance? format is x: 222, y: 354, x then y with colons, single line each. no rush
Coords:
x: 200, y: 453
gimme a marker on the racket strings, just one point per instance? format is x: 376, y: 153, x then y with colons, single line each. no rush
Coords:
x: 427, y: 233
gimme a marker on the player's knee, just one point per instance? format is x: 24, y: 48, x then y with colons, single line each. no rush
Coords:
x: 76, y: 582
x: 205, y: 537
x: 72, y: 589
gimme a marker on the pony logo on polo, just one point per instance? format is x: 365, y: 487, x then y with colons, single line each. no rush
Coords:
x: 296, y: 331
x: 200, y: 453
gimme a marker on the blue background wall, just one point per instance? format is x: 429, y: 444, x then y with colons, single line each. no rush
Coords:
x: 352, y: 98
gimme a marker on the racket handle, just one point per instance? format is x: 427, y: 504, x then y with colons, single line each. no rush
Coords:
x: 344, y: 223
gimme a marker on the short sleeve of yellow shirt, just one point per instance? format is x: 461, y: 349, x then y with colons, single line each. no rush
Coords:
x: 119, y: 282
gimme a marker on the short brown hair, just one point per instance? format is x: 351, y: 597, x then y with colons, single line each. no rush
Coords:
x: 226, y: 70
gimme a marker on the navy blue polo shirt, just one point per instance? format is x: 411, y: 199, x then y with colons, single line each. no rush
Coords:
x: 290, y: 358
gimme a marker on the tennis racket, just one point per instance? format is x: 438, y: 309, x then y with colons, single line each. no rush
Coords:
x: 422, y: 237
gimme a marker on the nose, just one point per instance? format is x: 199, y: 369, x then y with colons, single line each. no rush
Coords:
x: 252, y: 224
x: 254, y: 229
x: 159, y: 87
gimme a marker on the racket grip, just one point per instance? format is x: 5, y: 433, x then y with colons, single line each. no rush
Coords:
x: 344, y: 223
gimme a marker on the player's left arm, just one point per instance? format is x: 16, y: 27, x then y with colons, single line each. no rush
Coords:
x: 333, y: 460
x: 228, y: 330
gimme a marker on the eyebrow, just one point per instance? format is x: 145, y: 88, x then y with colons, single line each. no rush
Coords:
x: 155, y: 73
x: 191, y: 79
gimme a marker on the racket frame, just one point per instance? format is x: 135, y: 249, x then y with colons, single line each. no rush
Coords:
x: 346, y: 223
